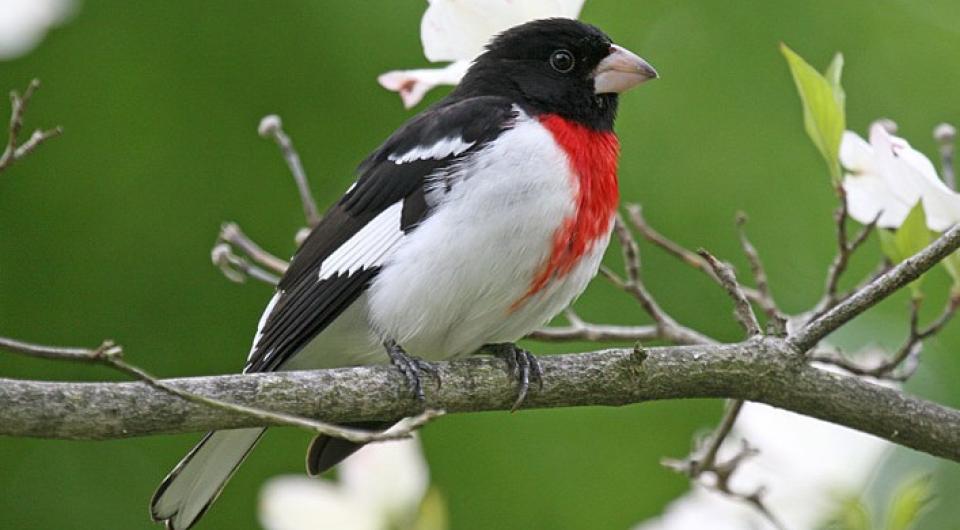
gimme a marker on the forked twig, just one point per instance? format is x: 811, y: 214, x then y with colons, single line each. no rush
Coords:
x: 18, y: 106
x: 903, y: 363
x: 741, y: 306
x: 687, y: 256
x: 704, y: 461
x: 846, y: 247
x: 667, y: 327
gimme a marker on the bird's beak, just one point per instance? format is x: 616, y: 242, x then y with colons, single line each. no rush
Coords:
x: 620, y: 71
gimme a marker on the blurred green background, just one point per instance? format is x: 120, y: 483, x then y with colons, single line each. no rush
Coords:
x: 106, y: 232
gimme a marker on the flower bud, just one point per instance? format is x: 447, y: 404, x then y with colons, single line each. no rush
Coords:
x: 269, y: 125
x: 945, y: 133
x: 888, y: 124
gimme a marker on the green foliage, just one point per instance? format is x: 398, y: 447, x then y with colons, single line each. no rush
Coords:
x: 910, y: 238
x: 823, y: 105
x: 952, y: 264
x: 911, y: 500
x: 433, y: 512
x: 851, y: 515
x: 908, y: 503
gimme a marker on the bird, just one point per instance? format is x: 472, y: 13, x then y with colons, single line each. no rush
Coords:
x: 476, y: 222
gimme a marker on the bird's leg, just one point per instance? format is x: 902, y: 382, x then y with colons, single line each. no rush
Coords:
x: 411, y: 368
x: 523, y: 366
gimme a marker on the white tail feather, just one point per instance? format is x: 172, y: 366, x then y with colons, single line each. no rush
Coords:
x: 197, y: 480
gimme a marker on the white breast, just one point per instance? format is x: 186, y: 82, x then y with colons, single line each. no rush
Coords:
x: 449, y: 285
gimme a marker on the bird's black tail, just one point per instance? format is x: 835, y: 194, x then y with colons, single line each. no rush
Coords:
x: 325, y: 452
x: 184, y: 496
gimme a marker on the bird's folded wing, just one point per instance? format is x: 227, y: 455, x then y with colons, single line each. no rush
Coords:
x: 356, y: 236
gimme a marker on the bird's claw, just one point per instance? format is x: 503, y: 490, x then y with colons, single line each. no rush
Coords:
x: 411, y: 368
x: 524, y: 367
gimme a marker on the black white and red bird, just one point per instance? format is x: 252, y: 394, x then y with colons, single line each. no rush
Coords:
x: 475, y: 223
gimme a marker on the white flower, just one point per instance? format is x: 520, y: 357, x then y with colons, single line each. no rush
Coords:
x: 457, y: 31
x: 887, y: 177
x: 23, y: 23
x: 380, y: 487
x: 805, y: 466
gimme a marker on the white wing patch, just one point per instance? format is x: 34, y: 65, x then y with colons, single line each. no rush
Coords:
x: 437, y: 151
x: 369, y: 247
x: 263, y: 322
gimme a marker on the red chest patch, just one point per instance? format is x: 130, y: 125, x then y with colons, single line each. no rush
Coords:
x: 593, y: 159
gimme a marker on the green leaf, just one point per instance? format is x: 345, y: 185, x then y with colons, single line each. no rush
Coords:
x: 833, y: 73
x: 852, y: 514
x: 823, y: 106
x: 952, y: 264
x: 909, y: 502
x: 433, y: 512
x: 912, y: 237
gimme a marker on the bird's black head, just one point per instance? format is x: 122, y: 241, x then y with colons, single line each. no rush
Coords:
x: 557, y: 66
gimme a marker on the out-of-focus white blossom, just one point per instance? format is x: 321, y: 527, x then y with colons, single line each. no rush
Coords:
x: 23, y: 23
x: 457, y: 31
x: 379, y: 488
x: 806, y: 466
x: 887, y: 177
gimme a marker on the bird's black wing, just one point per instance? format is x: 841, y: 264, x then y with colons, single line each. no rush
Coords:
x: 310, y: 296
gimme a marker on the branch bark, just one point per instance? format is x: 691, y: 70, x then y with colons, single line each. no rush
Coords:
x: 762, y: 370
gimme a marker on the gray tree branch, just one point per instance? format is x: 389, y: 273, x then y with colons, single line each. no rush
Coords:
x: 761, y: 370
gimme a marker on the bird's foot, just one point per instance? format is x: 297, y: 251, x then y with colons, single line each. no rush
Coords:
x: 411, y: 368
x: 523, y: 366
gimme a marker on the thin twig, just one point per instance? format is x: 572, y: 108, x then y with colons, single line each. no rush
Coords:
x: 891, y: 281
x: 265, y: 267
x: 841, y: 258
x: 18, y: 107
x: 704, y: 461
x: 111, y: 355
x: 237, y: 268
x: 882, y: 267
x: 231, y: 233
x: 741, y: 306
x: 687, y: 256
x: 667, y: 328
x: 272, y: 127
x: 595, y: 333
x: 777, y: 320
x: 709, y: 457
x: 845, y: 250
x: 946, y: 135
x: 579, y: 329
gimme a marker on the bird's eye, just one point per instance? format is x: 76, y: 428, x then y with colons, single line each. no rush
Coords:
x: 562, y: 61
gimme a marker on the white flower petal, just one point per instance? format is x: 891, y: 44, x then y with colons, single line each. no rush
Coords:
x: 890, y: 176
x: 23, y: 23
x: 300, y: 503
x: 414, y: 84
x: 454, y: 30
x: 856, y: 155
x: 868, y: 192
x: 911, y: 176
x: 868, y: 195
x: 942, y: 206
x: 390, y: 477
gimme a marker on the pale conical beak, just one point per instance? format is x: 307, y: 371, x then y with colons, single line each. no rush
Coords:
x: 620, y: 71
